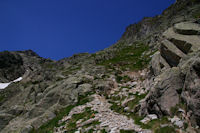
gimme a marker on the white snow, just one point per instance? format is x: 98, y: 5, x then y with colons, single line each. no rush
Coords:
x: 4, y: 85
x: 17, y: 80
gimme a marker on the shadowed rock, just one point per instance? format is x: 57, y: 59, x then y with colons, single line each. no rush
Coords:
x: 184, y: 42
x: 187, y: 28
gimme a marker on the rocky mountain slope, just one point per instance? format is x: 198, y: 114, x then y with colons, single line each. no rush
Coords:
x: 147, y: 82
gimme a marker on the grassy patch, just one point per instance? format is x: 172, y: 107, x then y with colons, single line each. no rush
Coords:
x: 167, y: 129
x: 103, y: 131
x: 121, y: 79
x: 117, y: 108
x: 196, y: 15
x: 153, y: 124
x: 2, y: 97
x: 127, y: 131
x: 49, y: 126
x: 87, y: 114
x: 129, y: 58
x: 174, y: 110
x: 71, y: 69
x: 134, y: 102
x: 94, y: 123
x: 131, y: 104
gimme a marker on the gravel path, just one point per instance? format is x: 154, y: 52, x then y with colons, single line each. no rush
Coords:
x: 113, y: 121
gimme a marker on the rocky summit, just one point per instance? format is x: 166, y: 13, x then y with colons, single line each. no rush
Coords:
x: 148, y: 82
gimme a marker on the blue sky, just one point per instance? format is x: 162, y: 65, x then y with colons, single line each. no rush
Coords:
x: 60, y: 28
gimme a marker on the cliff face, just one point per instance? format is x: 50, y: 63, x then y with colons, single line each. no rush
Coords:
x: 147, y: 82
x: 151, y: 28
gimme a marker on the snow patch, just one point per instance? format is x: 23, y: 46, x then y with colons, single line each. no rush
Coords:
x: 4, y: 85
x: 17, y: 80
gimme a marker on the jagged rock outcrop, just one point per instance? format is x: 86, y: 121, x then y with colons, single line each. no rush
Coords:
x: 178, y: 83
x: 149, y: 29
x: 174, y: 47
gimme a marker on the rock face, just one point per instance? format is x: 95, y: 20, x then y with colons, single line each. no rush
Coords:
x: 174, y: 47
x: 11, y: 66
x: 47, y: 86
x: 182, y: 10
x: 180, y: 83
x: 191, y: 90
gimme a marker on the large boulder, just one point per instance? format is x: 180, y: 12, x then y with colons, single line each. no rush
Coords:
x: 187, y: 28
x: 165, y: 94
x: 171, y: 53
x: 186, y: 43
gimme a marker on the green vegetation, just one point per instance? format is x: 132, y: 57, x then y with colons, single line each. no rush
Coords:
x: 129, y: 58
x: 131, y: 104
x: 134, y: 102
x: 121, y: 79
x: 94, y: 123
x: 49, y: 65
x: 103, y: 131
x: 71, y: 69
x: 127, y: 131
x: 174, y: 110
x: 2, y: 97
x: 185, y: 125
x: 117, y: 108
x: 87, y: 114
x: 167, y: 129
x: 91, y: 131
x: 196, y: 14
x: 49, y: 126
x: 154, y: 124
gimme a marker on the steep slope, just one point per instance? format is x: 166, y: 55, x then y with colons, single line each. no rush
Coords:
x: 86, y: 91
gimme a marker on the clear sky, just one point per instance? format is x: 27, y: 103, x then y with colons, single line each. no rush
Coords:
x: 60, y: 28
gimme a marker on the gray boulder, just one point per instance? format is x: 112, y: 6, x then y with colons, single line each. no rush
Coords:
x: 165, y: 94
x: 187, y: 28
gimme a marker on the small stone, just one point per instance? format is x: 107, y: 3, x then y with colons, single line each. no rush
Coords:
x: 79, y: 121
x: 153, y: 116
x: 181, y: 110
x: 99, y: 131
x: 124, y: 89
x: 164, y: 125
x: 179, y: 123
x: 126, y: 109
x: 145, y: 120
x: 133, y: 84
x: 174, y: 119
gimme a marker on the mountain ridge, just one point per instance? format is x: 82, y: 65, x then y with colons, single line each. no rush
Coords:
x: 130, y: 78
